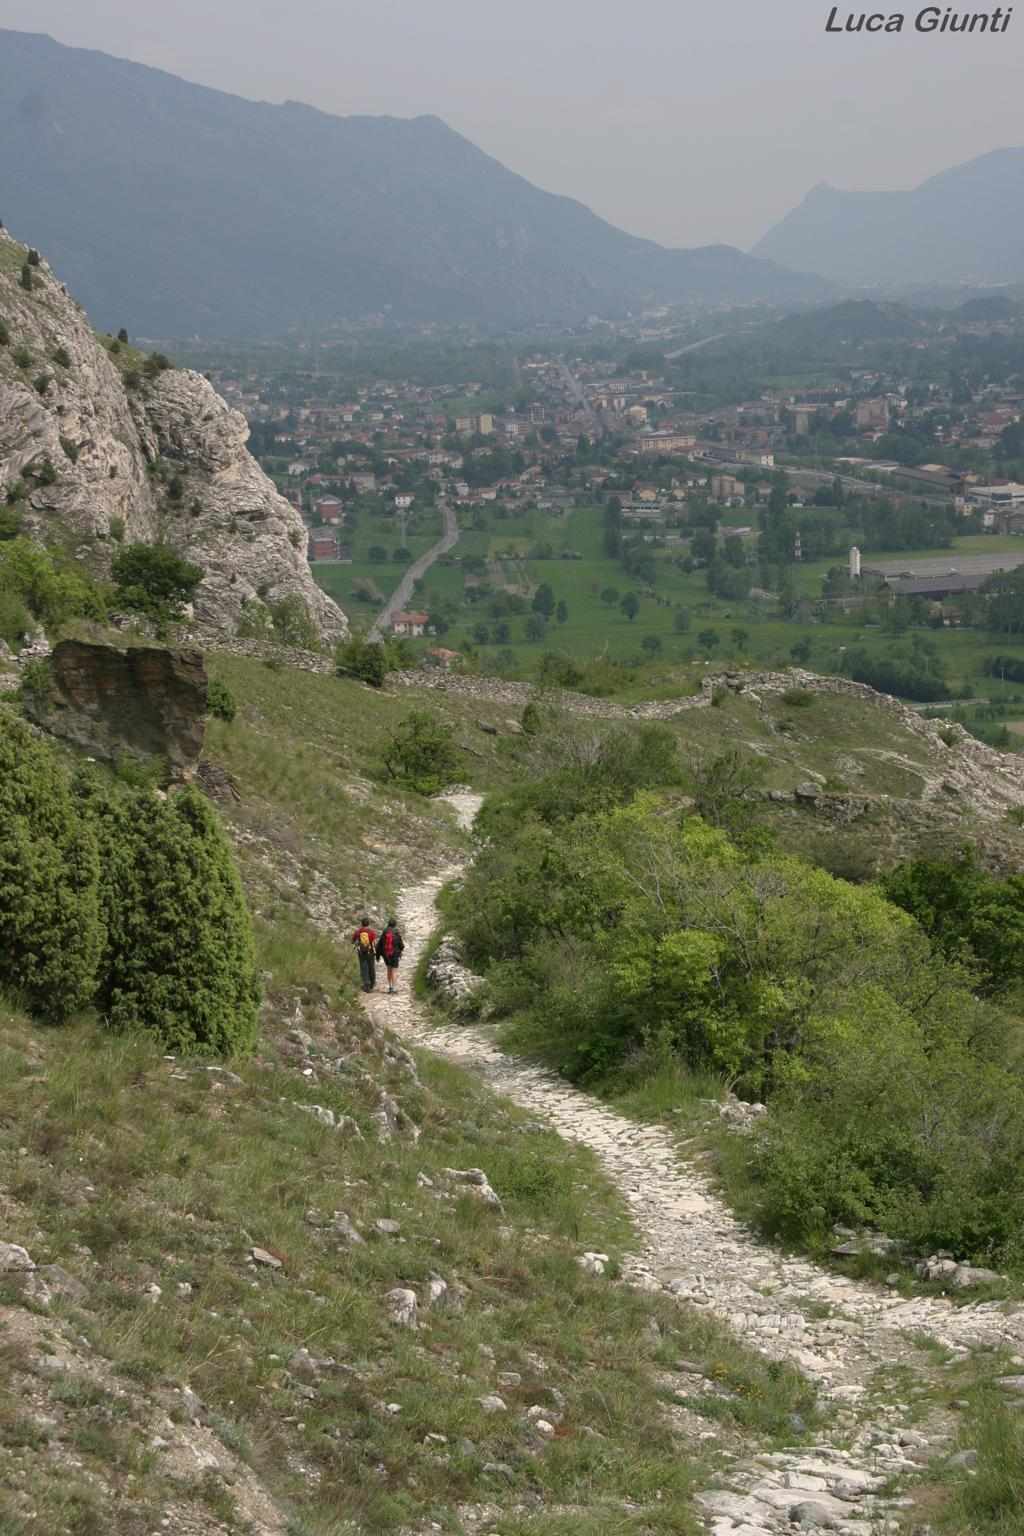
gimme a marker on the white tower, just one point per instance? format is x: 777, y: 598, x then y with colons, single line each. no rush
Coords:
x: 854, y: 563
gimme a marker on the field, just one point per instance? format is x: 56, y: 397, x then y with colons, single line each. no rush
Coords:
x: 748, y: 630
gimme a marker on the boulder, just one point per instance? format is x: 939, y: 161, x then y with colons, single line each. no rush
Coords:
x: 132, y: 701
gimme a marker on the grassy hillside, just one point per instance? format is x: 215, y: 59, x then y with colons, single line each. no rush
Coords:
x: 157, y: 1373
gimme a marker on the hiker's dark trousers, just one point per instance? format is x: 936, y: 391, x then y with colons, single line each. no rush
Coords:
x: 368, y: 970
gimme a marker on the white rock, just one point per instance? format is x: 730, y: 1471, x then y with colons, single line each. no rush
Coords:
x: 14, y: 1259
x: 402, y: 1307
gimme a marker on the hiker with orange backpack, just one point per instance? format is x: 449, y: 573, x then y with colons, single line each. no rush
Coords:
x: 364, y: 941
x: 389, y: 949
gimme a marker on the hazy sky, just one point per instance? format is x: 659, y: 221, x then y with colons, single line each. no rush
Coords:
x: 682, y: 121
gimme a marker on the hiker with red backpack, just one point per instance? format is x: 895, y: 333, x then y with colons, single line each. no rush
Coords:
x: 364, y: 941
x: 389, y: 949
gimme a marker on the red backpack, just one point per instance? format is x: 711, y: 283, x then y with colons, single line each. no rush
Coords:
x: 389, y: 943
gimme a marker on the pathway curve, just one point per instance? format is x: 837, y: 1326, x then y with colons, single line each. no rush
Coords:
x: 840, y: 1332
x: 400, y: 597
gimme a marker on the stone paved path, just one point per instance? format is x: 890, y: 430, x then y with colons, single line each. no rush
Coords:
x: 838, y: 1331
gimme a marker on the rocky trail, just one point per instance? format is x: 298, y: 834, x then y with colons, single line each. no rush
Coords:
x: 845, y: 1335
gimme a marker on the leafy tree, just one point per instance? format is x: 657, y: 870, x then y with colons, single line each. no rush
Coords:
x: 536, y: 627
x: 725, y: 786
x: 26, y: 279
x: 610, y: 596
x: 914, y: 672
x: 969, y: 914
x: 51, y: 931
x: 704, y: 545
x: 651, y: 644
x: 154, y: 580
x: 544, y: 601
x: 562, y: 611
x: 740, y: 638
x: 180, y: 960
x: 681, y: 621
x: 293, y: 624
x: 709, y: 640
x: 630, y: 606
x: 357, y: 657
x: 801, y: 651
x: 420, y: 754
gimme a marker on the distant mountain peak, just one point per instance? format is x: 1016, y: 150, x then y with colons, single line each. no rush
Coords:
x: 964, y: 224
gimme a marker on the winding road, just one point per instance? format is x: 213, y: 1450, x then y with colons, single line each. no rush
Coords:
x: 400, y: 597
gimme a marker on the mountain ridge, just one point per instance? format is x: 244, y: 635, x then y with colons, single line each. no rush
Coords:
x: 963, y: 224
x: 177, y: 209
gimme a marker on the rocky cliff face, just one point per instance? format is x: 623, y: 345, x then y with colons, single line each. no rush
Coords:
x: 108, y: 446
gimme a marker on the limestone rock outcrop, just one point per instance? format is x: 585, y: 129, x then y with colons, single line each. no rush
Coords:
x: 107, y: 445
x: 137, y: 701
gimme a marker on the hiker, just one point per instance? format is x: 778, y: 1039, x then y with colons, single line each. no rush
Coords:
x: 364, y: 941
x: 389, y: 949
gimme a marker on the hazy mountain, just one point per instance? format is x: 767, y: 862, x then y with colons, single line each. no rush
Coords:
x: 174, y: 209
x: 964, y: 225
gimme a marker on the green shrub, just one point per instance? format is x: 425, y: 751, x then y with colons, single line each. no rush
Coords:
x: 152, y: 579
x: 254, y: 621
x: 10, y: 522
x: 798, y: 698
x: 421, y: 755
x: 15, y: 619
x: 895, y: 1123
x: 22, y: 357
x: 36, y: 681
x: 220, y: 700
x: 180, y: 960
x: 360, y: 658
x: 51, y: 933
x: 51, y: 592
x: 292, y: 624
x: 62, y: 357
x: 5, y: 335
